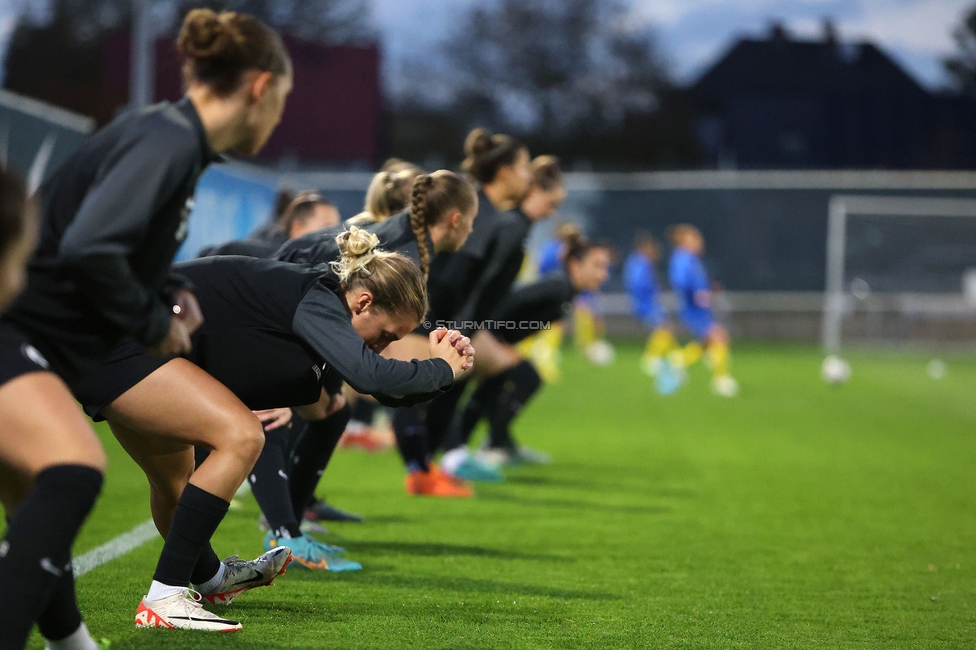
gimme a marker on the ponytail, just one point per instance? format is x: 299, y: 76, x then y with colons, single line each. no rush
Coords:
x: 578, y: 246
x: 388, y: 194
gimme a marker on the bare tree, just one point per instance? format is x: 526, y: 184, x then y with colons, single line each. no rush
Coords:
x: 551, y: 68
x: 326, y: 21
x: 961, y: 67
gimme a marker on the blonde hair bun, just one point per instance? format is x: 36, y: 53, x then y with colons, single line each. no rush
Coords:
x: 357, y: 248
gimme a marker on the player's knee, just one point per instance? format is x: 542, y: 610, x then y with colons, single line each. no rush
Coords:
x: 247, y: 438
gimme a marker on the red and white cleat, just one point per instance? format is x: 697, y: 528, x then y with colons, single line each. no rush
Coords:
x: 181, y: 611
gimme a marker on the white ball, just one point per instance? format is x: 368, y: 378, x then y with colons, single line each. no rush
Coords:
x: 937, y: 369
x: 835, y: 370
x: 600, y: 353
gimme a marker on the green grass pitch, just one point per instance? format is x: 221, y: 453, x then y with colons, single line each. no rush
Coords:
x: 795, y: 516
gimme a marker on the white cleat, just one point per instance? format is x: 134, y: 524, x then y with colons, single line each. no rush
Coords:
x: 241, y: 575
x: 725, y: 386
x: 182, y: 611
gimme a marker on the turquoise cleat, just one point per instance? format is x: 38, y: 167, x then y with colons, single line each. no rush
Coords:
x: 312, y: 554
x: 473, y: 469
x: 668, y: 379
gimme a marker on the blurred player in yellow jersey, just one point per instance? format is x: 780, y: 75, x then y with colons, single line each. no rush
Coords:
x: 640, y: 280
x: 690, y: 282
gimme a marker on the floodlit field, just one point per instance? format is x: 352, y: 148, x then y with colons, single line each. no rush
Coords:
x: 796, y: 515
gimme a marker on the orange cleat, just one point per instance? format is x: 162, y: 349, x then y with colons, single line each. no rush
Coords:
x: 435, y: 483
x: 368, y: 439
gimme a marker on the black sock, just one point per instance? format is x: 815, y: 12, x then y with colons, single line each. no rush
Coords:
x: 207, y: 566
x: 269, y: 483
x: 410, y: 427
x: 481, y: 402
x: 311, y: 455
x: 198, y: 513
x: 36, y: 550
x: 61, y: 618
x: 440, y: 413
x: 363, y: 410
x: 521, y: 383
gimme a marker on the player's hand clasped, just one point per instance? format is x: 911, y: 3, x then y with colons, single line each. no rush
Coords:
x: 453, y: 347
x: 187, y: 318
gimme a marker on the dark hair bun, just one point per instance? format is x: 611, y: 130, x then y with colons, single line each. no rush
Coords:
x: 486, y: 154
x: 218, y: 47
x: 477, y: 143
x: 206, y: 36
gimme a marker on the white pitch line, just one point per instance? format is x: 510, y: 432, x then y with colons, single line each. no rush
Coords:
x: 114, y: 548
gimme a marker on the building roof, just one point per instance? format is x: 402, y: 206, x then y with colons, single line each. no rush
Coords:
x: 782, y: 65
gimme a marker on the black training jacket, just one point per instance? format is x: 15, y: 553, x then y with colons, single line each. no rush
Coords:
x: 246, y: 247
x: 274, y: 330
x: 547, y: 300
x: 319, y: 247
x: 270, y: 232
x: 469, y: 284
x: 114, y: 215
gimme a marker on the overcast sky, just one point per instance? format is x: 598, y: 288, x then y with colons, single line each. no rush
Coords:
x: 693, y: 32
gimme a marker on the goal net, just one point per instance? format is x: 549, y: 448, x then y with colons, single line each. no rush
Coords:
x: 901, y: 272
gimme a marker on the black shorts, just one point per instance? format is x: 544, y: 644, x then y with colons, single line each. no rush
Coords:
x: 124, y: 368
x: 17, y: 355
x: 263, y: 371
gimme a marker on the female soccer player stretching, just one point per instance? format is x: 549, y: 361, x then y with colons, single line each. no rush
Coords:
x: 114, y: 216
x: 689, y: 280
x: 440, y: 218
x: 300, y: 326
x: 465, y: 286
x: 501, y: 396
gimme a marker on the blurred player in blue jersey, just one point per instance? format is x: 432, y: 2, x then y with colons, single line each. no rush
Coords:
x: 552, y: 251
x: 640, y: 281
x: 689, y: 280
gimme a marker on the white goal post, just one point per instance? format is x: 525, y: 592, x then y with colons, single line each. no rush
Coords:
x: 843, y: 206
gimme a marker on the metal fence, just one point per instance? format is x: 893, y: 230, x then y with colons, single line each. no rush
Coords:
x: 35, y: 137
x: 765, y: 232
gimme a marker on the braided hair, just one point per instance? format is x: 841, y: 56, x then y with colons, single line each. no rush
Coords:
x: 434, y: 197
x: 418, y: 218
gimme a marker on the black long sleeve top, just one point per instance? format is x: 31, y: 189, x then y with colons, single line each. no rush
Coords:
x: 274, y: 330
x: 468, y: 285
x: 246, y: 247
x: 319, y: 247
x: 547, y: 300
x: 114, y: 215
